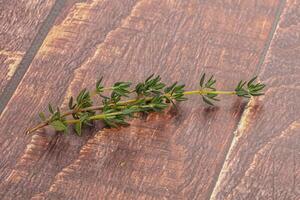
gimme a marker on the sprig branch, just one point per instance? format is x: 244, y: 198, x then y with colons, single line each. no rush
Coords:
x: 152, y: 95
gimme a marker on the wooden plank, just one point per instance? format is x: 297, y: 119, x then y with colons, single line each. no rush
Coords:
x: 165, y: 156
x: 264, y: 160
x: 78, y: 29
x: 20, y: 22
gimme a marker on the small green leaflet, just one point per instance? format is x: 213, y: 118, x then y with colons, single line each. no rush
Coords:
x: 58, y: 125
x: 78, y: 127
x: 42, y: 116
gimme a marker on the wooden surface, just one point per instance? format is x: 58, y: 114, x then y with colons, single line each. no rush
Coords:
x: 237, y: 150
x: 264, y: 158
x: 20, y: 23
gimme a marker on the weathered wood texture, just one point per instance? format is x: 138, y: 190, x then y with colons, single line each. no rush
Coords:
x: 175, y: 156
x: 77, y: 30
x: 264, y: 160
x: 19, y: 23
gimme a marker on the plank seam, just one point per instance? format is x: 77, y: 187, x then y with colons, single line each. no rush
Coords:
x: 247, y: 108
x: 271, y: 35
x: 38, y: 40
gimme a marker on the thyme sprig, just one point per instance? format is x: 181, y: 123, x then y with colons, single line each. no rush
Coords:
x: 124, y: 101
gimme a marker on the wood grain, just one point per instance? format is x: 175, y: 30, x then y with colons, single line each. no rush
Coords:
x: 264, y: 160
x: 20, y: 22
x: 77, y: 30
x: 172, y: 155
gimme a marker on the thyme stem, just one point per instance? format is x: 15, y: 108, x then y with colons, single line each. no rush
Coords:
x: 70, y: 112
x: 103, y: 116
x: 95, y: 117
x: 100, y: 107
x: 151, y: 96
x: 209, y: 92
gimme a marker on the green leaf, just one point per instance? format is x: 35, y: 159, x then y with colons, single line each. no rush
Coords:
x: 149, y: 77
x: 243, y: 84
x: 210, y: 79
x: 257, y: 94
x: 98, y: 84
x: 239, y: 85
x: 81, y: 95
x: 181, y: 99
x: 58, y: 125
x: 42, y: 116
x: 207, y: 101
x: 58, y: 112
x: 210, y: 84
x: 130, y: 110
x: 251, y: 81
x: 159, y: 86
x: 50, y: 108
x: 257, y: 88
x: 170, y: 88
x: 78, y: 127
x: 71, y: 103
x: 179, y: 87
x: 202, y: 80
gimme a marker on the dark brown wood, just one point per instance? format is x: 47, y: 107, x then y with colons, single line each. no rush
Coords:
x: 264, y: 160
x: 170, y: 155
x: 20, y: 22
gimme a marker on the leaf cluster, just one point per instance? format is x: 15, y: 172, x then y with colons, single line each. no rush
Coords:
x: 248, y: 89
x: 119, y: 90
x: 57, y: 121
x: 176, y: 92
x: 208, y: 85
x: 99, y: 86
x: 151, y: 86
x: 112, y: 119
x: 83, y: 100
x: 116, y: 115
